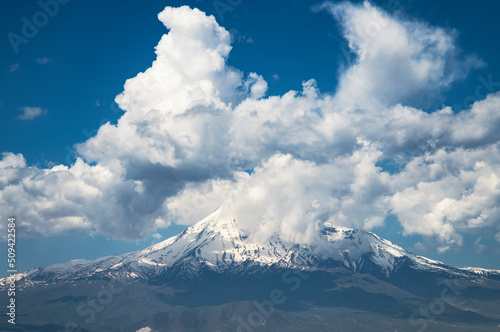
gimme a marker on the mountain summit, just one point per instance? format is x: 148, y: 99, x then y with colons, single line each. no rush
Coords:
x: 217, y: 244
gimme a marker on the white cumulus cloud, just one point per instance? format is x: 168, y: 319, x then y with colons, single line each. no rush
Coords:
x: 198, y: 134
x: 397, y: 61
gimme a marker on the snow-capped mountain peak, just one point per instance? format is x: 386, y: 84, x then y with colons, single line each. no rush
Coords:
x: 217, y: 244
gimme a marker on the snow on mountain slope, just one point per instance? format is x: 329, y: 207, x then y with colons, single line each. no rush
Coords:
x: 219, y: 245
x: 481, y: 271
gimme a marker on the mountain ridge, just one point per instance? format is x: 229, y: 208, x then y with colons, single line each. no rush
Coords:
x: 218, y: 244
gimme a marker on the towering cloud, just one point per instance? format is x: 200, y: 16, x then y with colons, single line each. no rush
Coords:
x: 197, y: 134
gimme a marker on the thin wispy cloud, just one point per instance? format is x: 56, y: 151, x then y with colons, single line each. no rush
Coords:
x: 42, y: 61
x: 14, y: 67
x: 30, y: 113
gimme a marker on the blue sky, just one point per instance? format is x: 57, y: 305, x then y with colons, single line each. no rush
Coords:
x: 65, y: 78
